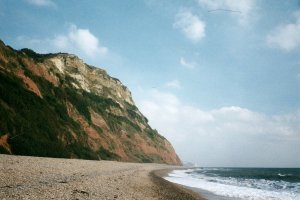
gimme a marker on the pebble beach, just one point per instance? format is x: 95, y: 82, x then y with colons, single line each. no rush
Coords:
x: 24, y: 177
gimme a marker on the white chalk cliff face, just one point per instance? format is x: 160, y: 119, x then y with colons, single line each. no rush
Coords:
x: 81, y: 111
x: 90, y: 79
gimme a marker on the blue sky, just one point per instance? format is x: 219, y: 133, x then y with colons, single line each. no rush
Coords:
x: 206, y: 73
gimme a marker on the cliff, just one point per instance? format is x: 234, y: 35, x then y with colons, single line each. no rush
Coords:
x: 55, y: 105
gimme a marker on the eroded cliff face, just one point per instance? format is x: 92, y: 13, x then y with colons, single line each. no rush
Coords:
x: 88, y: 78
x: 56, y: 105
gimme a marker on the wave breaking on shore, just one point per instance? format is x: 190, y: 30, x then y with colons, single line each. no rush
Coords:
x: 241, y: 183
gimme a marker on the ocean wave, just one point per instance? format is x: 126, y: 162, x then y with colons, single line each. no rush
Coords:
x: 233, y: 187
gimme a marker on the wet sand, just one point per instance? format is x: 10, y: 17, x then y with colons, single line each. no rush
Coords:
x: 25, y: 177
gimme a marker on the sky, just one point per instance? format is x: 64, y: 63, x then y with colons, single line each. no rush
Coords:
x: 219, y: 79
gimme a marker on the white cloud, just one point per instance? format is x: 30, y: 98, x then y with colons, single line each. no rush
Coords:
x: 45, y: 3
x: 86, y: 41
x: 76, y: 40
x: 228, y: 136
x: 242, y: 8
x: 187, y: 64
x: 190, y: 25
x: 174, y: 84
x: 286, y: 36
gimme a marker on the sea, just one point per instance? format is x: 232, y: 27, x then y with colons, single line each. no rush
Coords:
x: 241, y: 183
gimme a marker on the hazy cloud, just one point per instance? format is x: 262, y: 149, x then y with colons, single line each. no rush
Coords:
x: 231, y: 136
x: 76, y: 40
x: 45, y: 3
x: 242, y: 8
x: 190, y: 25
x: 187, y: 64
x: 174, y: 84
x: 286, y: 36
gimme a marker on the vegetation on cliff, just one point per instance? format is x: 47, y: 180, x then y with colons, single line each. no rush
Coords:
x: 55, y: 105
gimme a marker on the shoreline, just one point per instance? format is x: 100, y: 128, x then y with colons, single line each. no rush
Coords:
x: 26, y: 177
x: 171, y: 190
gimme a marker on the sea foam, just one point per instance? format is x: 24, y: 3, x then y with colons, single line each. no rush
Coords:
x: 236, y: 188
